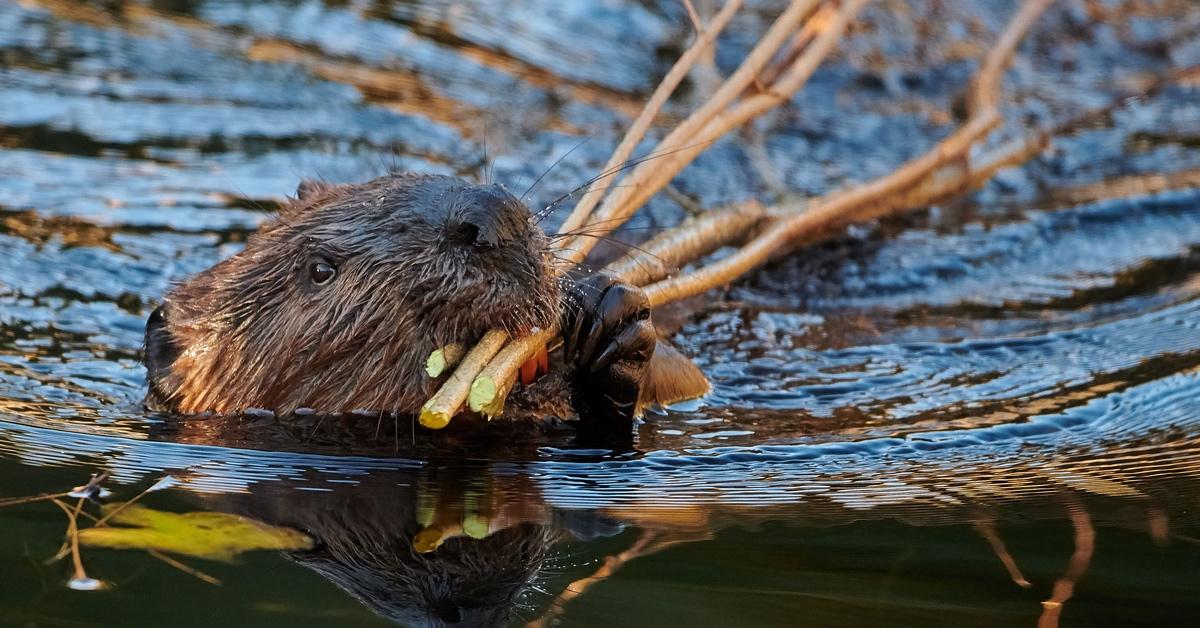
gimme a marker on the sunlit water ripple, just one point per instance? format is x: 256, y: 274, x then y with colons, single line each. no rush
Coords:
x: 1009, y: 347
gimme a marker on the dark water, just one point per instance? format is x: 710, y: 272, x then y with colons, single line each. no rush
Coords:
x: 1016, y: 373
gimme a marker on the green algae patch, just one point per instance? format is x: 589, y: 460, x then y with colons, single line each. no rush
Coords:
x: 211, y: 535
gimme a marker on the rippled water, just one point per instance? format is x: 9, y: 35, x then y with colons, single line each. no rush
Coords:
x: 893, y: 411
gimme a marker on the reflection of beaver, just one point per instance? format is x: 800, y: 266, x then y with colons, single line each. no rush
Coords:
x: 366, y: 544
x: 334, y: 306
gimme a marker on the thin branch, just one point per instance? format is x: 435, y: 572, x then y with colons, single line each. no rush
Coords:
x: 79, y: 579
x: 695, y: 238
x: 698, y: 131
x: 740, y: 113
x: 870, y: 199
x: 649, y: 542
x: 191, y: 571
x: 637, y: 130
x: 126, y: 504
x: 987, y: 529
x: 16, y: 501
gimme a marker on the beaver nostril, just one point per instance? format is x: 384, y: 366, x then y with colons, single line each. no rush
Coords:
x: 474, y: 231
x: 497, y: 217
x: 466, y: 234
x: 447, y: 611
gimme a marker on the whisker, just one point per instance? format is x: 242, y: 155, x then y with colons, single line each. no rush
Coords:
x: 627, y: 165
x: 487, y: 177
x: 588, y: 228
x: 612, y: 240
x: 545, y: 212
x: 556, y: 162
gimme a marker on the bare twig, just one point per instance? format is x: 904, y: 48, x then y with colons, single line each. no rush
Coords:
x: 187, y: 569
x: 649, y: 542
x: 704, y: 40
x: 103, y: 521
x: 690, y: 241
x: 913, y: 184
x: 721, y: 114
x: 798, y: 43
x: 16, y: 501
x: 79, y: 579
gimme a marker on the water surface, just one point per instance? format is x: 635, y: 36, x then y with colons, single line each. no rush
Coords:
x: 895, y: 414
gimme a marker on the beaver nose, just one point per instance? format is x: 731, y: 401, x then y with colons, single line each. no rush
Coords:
x: 490, y: 217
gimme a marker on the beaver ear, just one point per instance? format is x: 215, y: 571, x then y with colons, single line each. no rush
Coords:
x: 159, y: 352
x: 309, y: 189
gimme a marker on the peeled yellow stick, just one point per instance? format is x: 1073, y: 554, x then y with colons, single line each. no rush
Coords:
x: 490, y: 388
x: 444, y: 358
x: 650, y: 262
x: 695, y: 238
x: 437, y: 412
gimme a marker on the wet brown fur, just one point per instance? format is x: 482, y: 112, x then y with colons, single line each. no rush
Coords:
x: 422, y: 261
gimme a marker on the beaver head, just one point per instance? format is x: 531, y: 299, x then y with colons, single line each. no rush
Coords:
x: 335, y: 304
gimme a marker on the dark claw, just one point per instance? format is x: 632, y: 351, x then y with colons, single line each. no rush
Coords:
x: 635, y: 342
x: 606, y: 357
x: 591, y: 340
x: 620, y: 305
x: 608, y: 337
x: 584, y: 298
x: 603, y: 307
x: 571, y: 330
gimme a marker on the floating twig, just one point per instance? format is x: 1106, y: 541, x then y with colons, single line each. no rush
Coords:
x: 79, y: 580
x: 187, y: 569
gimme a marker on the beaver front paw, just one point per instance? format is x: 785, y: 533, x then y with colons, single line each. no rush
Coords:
x: 608, y: 339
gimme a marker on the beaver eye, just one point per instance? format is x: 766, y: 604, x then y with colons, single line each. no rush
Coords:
x: 321, y: 272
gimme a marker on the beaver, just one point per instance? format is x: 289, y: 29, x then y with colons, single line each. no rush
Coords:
x: 334, y: 304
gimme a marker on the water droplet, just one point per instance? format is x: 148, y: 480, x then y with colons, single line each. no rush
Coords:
x: 86, y: 584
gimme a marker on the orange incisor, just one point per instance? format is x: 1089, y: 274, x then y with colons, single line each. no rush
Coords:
x: 537, y: 365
